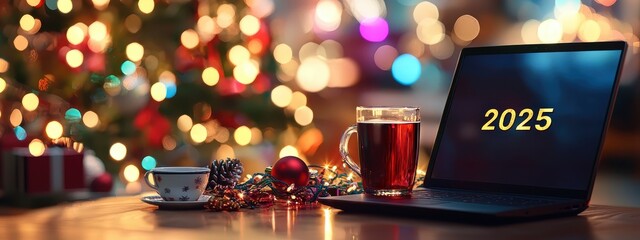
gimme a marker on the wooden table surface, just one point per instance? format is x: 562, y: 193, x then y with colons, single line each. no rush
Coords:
x: 128, y: 217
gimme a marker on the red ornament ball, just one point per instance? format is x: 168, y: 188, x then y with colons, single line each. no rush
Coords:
x: 102, y: 183
x: 291, y: 170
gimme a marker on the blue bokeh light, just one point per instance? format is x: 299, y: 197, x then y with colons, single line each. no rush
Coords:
x: 128, y: 67
x: 406, y: 69
x: 73, y: 115
x: 21, y: 134
x: 148, y: 163
x: 171, y: 89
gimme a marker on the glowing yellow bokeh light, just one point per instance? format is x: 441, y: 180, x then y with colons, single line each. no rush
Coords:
x: 222, y: 135
x: 4, y: 66
x: 550, y: 31
x: 249, y: 25
x: 34, y: 3
x: 185, y: 123
x: 54, y: 130
x: 146, y: 6
x: 97, y: 31
x: 15, y: 118
x: 303, y: 116
x: 345, y: 72
x: 425, y: 10
x: 135, y: 51
x: 529, y: 31
x: 246, y: 72
x: 224, y: 151
x: 589, y: 31
x: 242, y: 135
x: 281, y: 96
x: 198, y: 133
x: 74, y: 58
x: 288, y: 151
x: 76, y: 33
x: 131, y: 173
x: 118, y: 151
x: 37, y: 147
x: 226, y: 15
x: 65, y: 6
x: 3, y: 84
x: 466, y: 28
x: 30, y: 101
x: 158, y: 91
x: 189, y: 39
x: 27, y: 22
x: 239, y: 54
x: 100, y: 4
x: 430, y: 31
x: 90, y: 119
x: 282, y: 53
x: 210, y: 76
x: 298, y: 99
x: 328, y: 15
x: 313, y: 74
x: 20, y: 43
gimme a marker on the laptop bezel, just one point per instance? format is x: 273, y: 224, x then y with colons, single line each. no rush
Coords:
x: 520, y: 189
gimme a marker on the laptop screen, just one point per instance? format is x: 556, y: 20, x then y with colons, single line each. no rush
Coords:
x: 527, y: 117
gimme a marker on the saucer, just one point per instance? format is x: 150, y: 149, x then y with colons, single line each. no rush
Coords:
x: 176, y: 205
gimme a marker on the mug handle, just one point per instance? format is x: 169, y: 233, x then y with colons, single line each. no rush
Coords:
x: 344, y: 149
x: 146, y: 179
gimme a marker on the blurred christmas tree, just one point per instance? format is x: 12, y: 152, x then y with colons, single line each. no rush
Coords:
x: 131, y: 79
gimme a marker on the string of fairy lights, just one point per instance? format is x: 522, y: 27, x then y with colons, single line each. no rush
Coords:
x: 307, y: 64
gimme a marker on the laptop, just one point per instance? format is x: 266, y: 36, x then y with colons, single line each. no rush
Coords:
x: 520, y: 137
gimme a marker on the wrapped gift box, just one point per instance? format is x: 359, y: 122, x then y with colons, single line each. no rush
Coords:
x: 9, y: 142
x: 58, y: 170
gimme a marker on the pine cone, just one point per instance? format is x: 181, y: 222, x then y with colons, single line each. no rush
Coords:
x: 218, y: 203
x: 224, y: 172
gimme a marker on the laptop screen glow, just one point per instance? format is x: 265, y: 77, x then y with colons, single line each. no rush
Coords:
x: 532, y: 119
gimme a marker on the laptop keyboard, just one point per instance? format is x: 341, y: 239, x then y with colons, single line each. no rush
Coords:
x: 480, y: 198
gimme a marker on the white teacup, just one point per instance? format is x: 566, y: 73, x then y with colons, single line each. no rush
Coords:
x: 178, y: 183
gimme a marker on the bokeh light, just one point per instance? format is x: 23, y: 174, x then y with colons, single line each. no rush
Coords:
x: 606, y: 3
x: 20, y: 43
x: 210, y: 76
x: 345, y: 72
x: 261, y: 8
x: 90, y: 119
x: 206, y: 28
x: 189, y: 39
x: 425, y: 10
x: 384, y: 56
x: 15, y: 118
x: 589, y: 31
x: 158, y: 91
x: 118, y: 151
x: 328, y: 15
x: 27, y: 22
x: 281, y: 96
x: 20, y: 133
x: 529, y: 31
x: 4, y: 66
x: 226, y: 15
x: 550, y: 31
x: 198, y: 133
x: 246, y: 72
x: 34, y: 3
x: 77, y: 33
x: 222, y: 135
x: 30, y: 101
x: 100, y: 4
x: 169, y: 143
x: 65, y: 6
x: 249, y: 25
x: 256, y: 136
x: 72, y: 115
x: 74, y: 58
x: 185, y: 123
x: 288, y: 151
x: 37, y: 147
x: 146, y: 6
x: 54, y: 130
x: 148, y: 163
x: 406, y: 69
x: 224, y: 151
x: 298, y: 99
x: 239, y: 54
x: 466, y: 28
x: 131, y: 173
x: 313, y: 74
x: 135, y: 51
x: 443, y: 49
x: 242, y: 135
x: 374, y: 30
x: 3, y: 84
x: 430, y: 31
x: 303, y: 116
x: 282, y: 53
x: 128, y: 67
x: 133, y: 23
x: 364, y: 10
x: 97, y: 31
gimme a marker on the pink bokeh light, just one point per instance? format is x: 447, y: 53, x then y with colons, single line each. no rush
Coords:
x: 374, y: 30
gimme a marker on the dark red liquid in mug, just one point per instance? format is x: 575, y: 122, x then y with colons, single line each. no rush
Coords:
x: 388, y: 154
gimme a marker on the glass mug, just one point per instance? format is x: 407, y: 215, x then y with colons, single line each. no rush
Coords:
x: 388, y: 140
